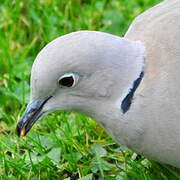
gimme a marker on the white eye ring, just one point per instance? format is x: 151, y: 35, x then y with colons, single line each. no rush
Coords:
x: 68, y: 80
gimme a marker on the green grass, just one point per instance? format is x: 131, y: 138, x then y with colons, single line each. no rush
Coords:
x: 65, y: 144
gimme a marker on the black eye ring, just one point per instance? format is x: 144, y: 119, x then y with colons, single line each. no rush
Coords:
x: 67, y: 81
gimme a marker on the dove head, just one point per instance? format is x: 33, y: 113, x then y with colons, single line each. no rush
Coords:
x: 86, y: 71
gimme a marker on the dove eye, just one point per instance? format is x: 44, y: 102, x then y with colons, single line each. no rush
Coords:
x: 68, y: 80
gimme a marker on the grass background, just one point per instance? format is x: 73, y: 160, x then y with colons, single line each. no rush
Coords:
x: 65, y: 145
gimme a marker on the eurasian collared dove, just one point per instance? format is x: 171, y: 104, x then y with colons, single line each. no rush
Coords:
x: 130, y: 85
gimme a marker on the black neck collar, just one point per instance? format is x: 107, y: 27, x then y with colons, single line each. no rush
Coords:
x: 127, y: 101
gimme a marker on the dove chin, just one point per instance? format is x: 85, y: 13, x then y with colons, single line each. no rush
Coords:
x: 32, y: 113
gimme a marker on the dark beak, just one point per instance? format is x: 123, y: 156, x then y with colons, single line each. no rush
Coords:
x: 32, y: 113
